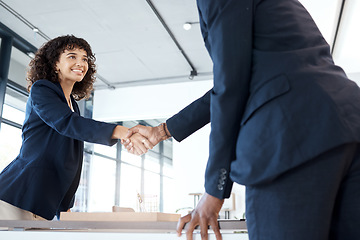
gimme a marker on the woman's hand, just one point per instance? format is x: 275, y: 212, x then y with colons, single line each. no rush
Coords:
x: 153, y: 134
x: 139, y: 144
x: 119, y: 132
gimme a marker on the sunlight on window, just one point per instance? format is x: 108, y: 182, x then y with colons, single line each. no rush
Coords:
x: 10, y: 143
x: 102, y: 185
x: 14, y: 108
x: 169, y: 197
x: 105, y: 150
x: 13, y: 114
x: 130, y: 184
x: 130, y: 158
x: 151, y: 196
x: 152, y: 164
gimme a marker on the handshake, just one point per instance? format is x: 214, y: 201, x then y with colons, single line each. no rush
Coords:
x: 140, y: 139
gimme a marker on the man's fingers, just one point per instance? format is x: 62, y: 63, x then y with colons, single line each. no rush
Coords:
x: 143, y: 148
x: 189, y: 230
x: 140, y: 149
x: 131, y: 150
x: 147, y: 144
x: 190, y: 227
x: 129, y: 133
x: 215, y: 227
x: 143, y: 130
x: 204, y: 230
x: 181, y: 223
x: 126, y: 143
x: 137, y: 151
x: 132, y: 131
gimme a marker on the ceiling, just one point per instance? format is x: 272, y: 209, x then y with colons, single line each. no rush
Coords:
x: 132, y: 44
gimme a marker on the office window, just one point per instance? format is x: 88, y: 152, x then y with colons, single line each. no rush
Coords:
x: 151, y: 195
x: 101, y: 184
x: 152, y: 163
x: 168, y: 196
x: 82, y: 193
x: 14, y: 105
x: 105, y: 150
x: 10, y: 143
x: 130, y: 186
x: 131, y: 158
x: 13, y: 114
x: 12, y: 119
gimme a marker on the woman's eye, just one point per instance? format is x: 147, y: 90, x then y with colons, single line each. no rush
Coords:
x: 72, y: 57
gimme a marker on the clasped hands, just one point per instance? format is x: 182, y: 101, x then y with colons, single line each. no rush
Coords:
x: 140, y: 139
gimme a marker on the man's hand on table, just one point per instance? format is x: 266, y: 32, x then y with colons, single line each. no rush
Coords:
x: 205, y: 214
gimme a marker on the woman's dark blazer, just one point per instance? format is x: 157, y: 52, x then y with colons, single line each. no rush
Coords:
x: 45, y: 175
x: 278, y: 98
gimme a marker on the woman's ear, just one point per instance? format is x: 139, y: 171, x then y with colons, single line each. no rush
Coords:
x: 57, y: 69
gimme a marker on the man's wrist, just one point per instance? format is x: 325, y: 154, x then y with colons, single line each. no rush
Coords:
x: 162, y: 133
x: 168, y: 134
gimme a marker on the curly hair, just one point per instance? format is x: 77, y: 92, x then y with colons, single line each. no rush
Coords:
x: 42, y: 66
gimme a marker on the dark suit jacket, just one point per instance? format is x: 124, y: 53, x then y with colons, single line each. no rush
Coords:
x: 278, y: 98
x: 45, y: 175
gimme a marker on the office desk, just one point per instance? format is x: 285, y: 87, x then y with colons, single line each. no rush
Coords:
x: 75, y: 230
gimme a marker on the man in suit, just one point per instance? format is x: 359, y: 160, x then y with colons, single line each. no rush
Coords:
x: 285, y: 122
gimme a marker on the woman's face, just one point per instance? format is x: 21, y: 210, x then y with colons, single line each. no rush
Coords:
x: 72, y: 65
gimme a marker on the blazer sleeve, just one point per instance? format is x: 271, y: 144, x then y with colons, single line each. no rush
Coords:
x: 190, y: 119
x: 228, y: 26
x: 50, y: 105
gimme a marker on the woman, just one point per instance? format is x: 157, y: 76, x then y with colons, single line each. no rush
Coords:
x: 42, y: 180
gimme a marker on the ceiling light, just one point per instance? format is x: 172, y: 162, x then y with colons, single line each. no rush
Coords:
x: 187, y: 26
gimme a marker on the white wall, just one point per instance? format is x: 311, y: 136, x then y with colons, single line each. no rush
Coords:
x: 163, y: 101
x: 354, y: 77
x: 189, y: 158
x: 146, y: 102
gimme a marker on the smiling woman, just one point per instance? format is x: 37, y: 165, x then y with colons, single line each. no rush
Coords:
x: 71, y: 68
x: 66, y: 54
x: 42, y: 180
